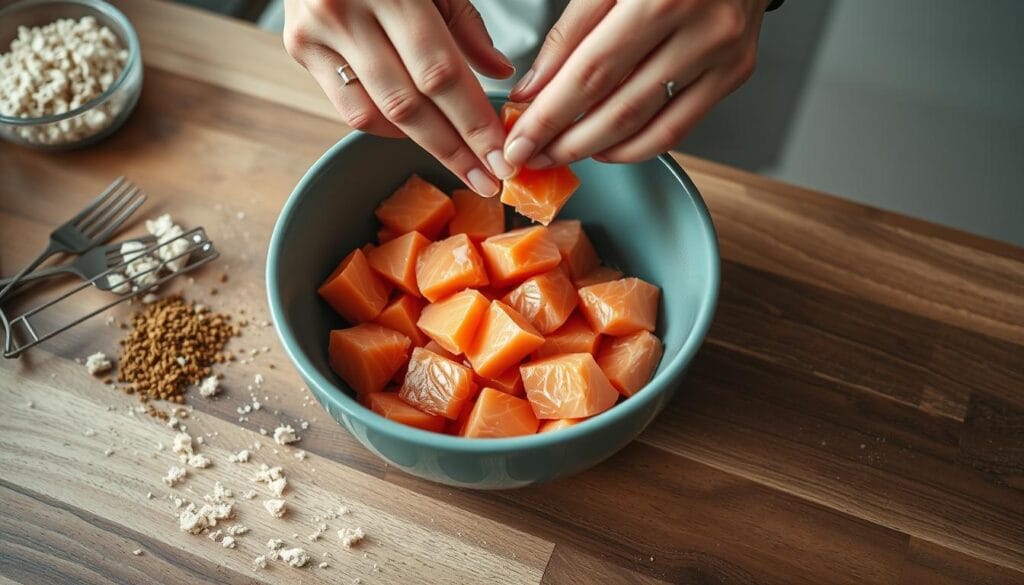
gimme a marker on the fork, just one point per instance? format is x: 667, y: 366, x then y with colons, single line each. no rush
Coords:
x: 90, y: 227
x: 89, y: 265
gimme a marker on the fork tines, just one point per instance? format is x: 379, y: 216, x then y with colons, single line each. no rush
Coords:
x: 110, y: 209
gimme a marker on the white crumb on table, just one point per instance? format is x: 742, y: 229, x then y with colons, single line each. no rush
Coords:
x: 98, y: 363
x: 276, y: 507
x: 285, y: 434
x: 240, y: 457
x: 277, y: 486
x: 228, y: 542
x: 260, y: 562
x: 174, y: 475
x: 295, y: 557
x: 137, y: 552
x: 209, y: 387
x: 199, y: 461
x: 351, y: 536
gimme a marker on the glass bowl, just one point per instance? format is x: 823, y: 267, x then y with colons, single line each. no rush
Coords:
x: 95, y: 119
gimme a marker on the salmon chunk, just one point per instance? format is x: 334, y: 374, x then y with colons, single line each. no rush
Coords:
x: 514, y: 256
x: 354, y: 290
x: 452, y: 322
x: 395, y: 260
x: 502, y: 340
x: 630, y: 361
x: 620, y: 307
x: 578, y: 254
x: 555, y: 424
x: 449, y: 266
x: 597, y: 276
x: 416, y: 206
x: 390, y: 406
x: 510, y: 382
x: 401, y: 315
x: 546, y: 300
x: 367, y: 356
x: 567, y: 386
x: 497, y: 414
x: 437, y: 384
x: 477, y: 217
x: 575, y: 336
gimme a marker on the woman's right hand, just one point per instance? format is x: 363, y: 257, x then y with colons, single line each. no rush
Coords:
x: 410, y: 57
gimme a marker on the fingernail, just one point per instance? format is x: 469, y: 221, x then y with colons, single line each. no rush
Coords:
x: 519, y: 151
x: 523, y: 82
x: 482, y: 183
x: 541, y: 161
x: 600, y: 158
x: 499, y: 166
x: 505, y: 60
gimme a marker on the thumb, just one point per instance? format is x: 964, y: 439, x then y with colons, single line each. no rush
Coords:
x: 468, y: 29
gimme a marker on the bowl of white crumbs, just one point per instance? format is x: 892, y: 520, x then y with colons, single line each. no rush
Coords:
x: 70, y: 72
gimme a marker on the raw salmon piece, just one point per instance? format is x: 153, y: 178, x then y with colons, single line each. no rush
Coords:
x: 630, y: 361
x: 449, y: 266
x: 620, y: 307
x: 519, y: 254
x: 502, y: 340
x: 367, y: 356
x: 454, y: 427
x: 558, y: 423
x: 436, y: 384
x: 416, y: 206
x: 567, y: 386
x: 354, y: 290
x: 436, y: 348
x: 386, y: 234
x: 497, y: 415
x: 395, y: 260
x: 575, y: 336
x: 477, y: 217
x: 390, y: 406
x: 452, y: 321
x: 597, y: 276
x: 578, y: 254
x: 401, y: 315
x: 539, y: 194
x: 510, y: 382
x: 546, y: 300
x: 494, y: 293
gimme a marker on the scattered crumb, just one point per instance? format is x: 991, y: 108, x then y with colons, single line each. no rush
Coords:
x: 228, y: 542
x: 199, y: 461
x: 237, y: 529
x: 277, y: 508
x: 260, y: 562
x: 257, y: 379
x: 267, y: 474
x: 351, y: 536
x: 248, y: 494
x: 149, y: 495
x: 240, y: 457
x: 300, y: 455
x: 275, y: 544
x: 182, y: 446
x: 277, y: 486
x: 137, y: 552
x: 284, y: 435
x: 322, y: 565
x: 295, y: 557
x: 149, y: 298
x: 89, y: 433
x: 209, y: 387
x: 174, y: 475
x: 98, y: 363
x: 108, y: 452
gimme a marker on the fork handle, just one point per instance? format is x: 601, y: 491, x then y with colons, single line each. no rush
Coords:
x: 50, y: 250
x: 44, y: 273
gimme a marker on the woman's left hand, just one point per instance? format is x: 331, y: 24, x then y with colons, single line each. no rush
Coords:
x: 609, y: 62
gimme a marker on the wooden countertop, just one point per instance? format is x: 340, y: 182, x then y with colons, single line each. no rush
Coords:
x: 856, y: 415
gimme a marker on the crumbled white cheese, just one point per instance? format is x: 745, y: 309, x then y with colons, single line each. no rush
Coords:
x: 173, y: 249
x: 295, y: 557
x: 228, y: 542
x: 267, y: 474
x: 350, y: 536
x: 258, y: 379
x: 277, y: 486
x: 322, y: 565
x: 118, y: 284
x: 248, y: 494
x: 195, y: 521
x: 300, y: 455
x: 277, y: 508
x: 149, y: 298
x: 139, y: 266
x: 320, y: 531
x: 237, y: 529
x: 275, y: 544
x: 240, y: 457
x: 137, y: 552
x: 98, y: 363
x: 209, y: 387
x: 199, y: 461
x: 174, y: 475
x: 89, y: 433
x: 220, y: 493
x: 182, y: 446
x: 285, y: 434
x: 260, y: 562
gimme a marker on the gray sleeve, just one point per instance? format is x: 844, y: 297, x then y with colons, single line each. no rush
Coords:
x: 518, y: 28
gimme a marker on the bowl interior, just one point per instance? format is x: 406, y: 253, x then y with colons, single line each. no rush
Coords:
x: 646, y: 219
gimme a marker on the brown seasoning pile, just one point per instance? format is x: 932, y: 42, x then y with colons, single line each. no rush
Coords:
x: 172, y: 345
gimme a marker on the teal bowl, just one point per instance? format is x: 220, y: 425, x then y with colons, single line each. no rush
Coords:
x: 646, y: 219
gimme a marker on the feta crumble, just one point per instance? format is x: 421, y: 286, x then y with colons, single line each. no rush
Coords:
x: 209, y: 387
x: 285, y: 434
x: 277, y: 508
x: 351, y: 536
x: 98, y: 363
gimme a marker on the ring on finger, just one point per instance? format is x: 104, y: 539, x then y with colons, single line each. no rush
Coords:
x: 670, y: 89
x: 346, y: 73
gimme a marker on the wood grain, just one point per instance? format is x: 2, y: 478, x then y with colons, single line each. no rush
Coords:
x: 855, y: 415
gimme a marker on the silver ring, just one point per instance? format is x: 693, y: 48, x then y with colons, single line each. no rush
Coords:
x: 346, y: 74
x: 670, y: 89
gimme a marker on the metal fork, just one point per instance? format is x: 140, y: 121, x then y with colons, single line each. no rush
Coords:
x: 90, y: 227
x: 88, y: 265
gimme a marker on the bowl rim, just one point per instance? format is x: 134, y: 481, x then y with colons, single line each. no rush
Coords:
x: 133, y: 58
x: 340, y: 400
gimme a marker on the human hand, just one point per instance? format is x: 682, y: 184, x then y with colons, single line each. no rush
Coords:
x: 410, y: 57
x: 609, y: 61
